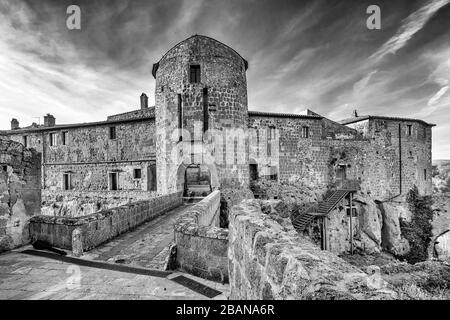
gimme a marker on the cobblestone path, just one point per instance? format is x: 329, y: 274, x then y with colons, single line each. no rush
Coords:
x: 147, y: 246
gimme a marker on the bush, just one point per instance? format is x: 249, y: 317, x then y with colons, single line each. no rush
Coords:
x: 418, y: 231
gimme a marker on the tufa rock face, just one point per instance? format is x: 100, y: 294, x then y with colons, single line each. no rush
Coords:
x: 392, y: 239
x: 20, y: 196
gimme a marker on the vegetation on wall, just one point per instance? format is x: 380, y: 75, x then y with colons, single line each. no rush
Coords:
x: 418, y: 231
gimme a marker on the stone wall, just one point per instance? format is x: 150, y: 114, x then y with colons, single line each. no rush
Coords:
x: 20, y: 195
x: 201, y: 245
x: 268, y: 260
x: 140, y: 113
x: 77, y: 203
x: 95, y: 229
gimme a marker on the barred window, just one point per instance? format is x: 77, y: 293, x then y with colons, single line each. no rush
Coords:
x: 305, y: 132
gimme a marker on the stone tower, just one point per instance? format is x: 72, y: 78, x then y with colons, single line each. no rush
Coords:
x: 201, y: 113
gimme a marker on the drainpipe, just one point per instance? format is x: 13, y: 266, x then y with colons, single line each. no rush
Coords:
x: 400, y: 155
x: 351, y: 223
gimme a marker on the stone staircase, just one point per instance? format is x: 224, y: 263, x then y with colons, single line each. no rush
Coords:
x: 303, y: 220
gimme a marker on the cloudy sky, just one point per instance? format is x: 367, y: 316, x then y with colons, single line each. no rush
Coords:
x: 302, y: 54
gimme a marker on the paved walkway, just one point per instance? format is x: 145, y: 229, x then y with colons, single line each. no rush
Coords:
x: 35, y: 278
x: 25, y: 276
x: 147, y: 246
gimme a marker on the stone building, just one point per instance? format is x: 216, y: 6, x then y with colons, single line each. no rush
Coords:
x: 201, y: 127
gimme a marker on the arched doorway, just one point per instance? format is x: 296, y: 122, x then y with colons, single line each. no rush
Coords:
x: 197, y: 181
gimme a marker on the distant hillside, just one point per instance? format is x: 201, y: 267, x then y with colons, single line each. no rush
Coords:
x: 441, y: 176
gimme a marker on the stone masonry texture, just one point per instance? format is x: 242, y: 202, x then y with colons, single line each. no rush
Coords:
x: 20, y: 193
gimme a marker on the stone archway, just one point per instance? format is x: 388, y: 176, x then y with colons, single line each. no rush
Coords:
x: 441, y: 246
x: 180, y: 176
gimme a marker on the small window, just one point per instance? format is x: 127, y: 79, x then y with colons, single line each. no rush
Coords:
x: 66, y: 181
x: 305, y: 132
x: 64, y: 135
x: 5, y: 168
x: 354, y: 212
x: 194, y: 74
x: 409, y: 130
x: 114, y: 181
x: 424, y: 174
x: 53, y: 139
x: 341, y: 173
x: 424, y: 132
x: 112, y: 133
x: 137, y: 173
x: 25, y: 141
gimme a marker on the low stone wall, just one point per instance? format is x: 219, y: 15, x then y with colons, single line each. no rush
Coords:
x: 268, y: 260
x: 201, y: 245
x: 85, y: 233
x: 73, y: 203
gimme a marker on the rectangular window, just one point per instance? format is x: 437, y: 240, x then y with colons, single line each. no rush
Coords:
x: 180, y: 118
x: 113, y: 181
x: 270, y: 138
x: 64, y: 135
x: 137, y: 174
x: 424, y: 132
x: 341, y: 173
x: 66, y: 181
x: 424, y: 174
x: 409, y: 130
x: 25, y: 141
x: 194, y: 74
x: 305, y: 132
x: 112, y: 133
x: 354, y: 212
x: 151, y: 177
x: 205, y: 110
x: 52, y: 139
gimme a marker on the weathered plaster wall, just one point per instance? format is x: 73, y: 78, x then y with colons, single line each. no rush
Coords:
x: 95, y: 229
x: 201, y: 245
x: 270, y: 261
x: 20, y: 195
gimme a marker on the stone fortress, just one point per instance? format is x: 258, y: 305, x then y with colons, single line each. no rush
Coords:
x: 201, y: 136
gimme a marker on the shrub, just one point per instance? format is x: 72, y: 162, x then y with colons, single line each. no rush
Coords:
x: 418, y: 231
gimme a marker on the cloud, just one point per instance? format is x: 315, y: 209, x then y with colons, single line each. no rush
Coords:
x: 362, y: 84
x: 411, y: 25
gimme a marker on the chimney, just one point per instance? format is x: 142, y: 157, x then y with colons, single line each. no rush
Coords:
x: 49, y: 120
x: 355, y: 114
x: 14, y: 124
x: 144, y: 101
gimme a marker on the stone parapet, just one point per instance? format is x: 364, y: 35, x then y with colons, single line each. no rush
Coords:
x: 201, y: 245
x: 102, y: 226
x: 271, y: 261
